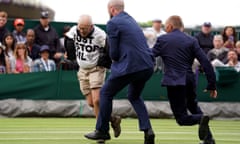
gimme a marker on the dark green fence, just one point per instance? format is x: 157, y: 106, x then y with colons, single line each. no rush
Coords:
x: 63, y: 85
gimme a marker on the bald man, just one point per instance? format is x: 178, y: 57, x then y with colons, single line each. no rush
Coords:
x: 88, y: 41
x: 132, y: 66
x: 178, y: 51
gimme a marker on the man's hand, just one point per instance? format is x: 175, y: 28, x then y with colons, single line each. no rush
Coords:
x: 213, y: 93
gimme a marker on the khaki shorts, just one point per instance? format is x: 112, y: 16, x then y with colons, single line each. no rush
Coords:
x: 91, y: 78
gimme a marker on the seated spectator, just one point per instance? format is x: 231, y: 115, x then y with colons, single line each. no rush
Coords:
x: 219, y: 51
x: 205, y: 37
x: 32, y: 47
x: 18, y: 33
x: 238, y: 49
x: 4, y: 63
x: 229, y: 37
x: 232, y: 61
x: 20, y: 62
x: 44, y: 64
x: 9, y: 43
x: 3, y: 21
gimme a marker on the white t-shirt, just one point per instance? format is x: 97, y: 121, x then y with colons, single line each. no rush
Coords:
x: 87, y: 49
x: 151, y: 35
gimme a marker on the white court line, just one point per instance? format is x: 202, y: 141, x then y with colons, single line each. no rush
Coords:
x: 16, y: 139
x: 126, y: 132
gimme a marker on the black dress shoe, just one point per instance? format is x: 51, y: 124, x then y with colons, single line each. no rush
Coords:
x: 203, y: 128
x: 115, y: 123
x: 97, y: 135
x: 149, y: 137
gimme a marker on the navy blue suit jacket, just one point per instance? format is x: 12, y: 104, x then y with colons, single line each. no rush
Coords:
x: 178, y: 51
x: 127, y: 46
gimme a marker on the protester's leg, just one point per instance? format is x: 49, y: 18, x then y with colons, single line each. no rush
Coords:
x: 83, y: 78
x: 96, y: 80
x: 95, y: 100
x: 134, y: 92
x: 177, y: 99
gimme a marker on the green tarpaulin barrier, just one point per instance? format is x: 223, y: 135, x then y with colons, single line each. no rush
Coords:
x: 63, y: 85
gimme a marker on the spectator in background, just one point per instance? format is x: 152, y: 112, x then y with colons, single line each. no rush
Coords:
x: 219, y: 51
x: 4, y: 63
x: 238, y: 49
x: 65, y: 30
x: 3, y: 21
x: 32, y: 47
x: 205, y: 37
x: 233, y: 60
x: 151, y: 35
x: 20, y: 62
x: 18, y: 33
x: 44, y: 64
x: 153, y: 32
x: 45, y: 34
x: 229, y: 36
x: 9, y: 42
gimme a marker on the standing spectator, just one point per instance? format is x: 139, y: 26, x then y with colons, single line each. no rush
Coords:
x: 3, y: 21
x: 9, y: 42
x: 45, y: 34
x: 178, y: 51
x: 219, y: 51
x: 44, y: 64
x: 205, y: 37
x: 238, y: 49
x: 132, y: 66
x: 32, y: 47
x: 229, y: 37
x: 18, y: 33
x: 4, y: 63
x: 153, y: 32
x: 65, y: 30
x: 20, y: 62
x: 151, y: 35
x: 89, y: 40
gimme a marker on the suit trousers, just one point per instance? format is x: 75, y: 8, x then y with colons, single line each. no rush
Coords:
x: 135, y: 82
x: 183, y: 101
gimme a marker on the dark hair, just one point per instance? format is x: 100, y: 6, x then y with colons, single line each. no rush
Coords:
x: 225, y: 37
x: 4, y: 42
x: 66, y: 28
x: 2, y: 58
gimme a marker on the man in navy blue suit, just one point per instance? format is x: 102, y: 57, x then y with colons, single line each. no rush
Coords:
x: 178, y: 51
x: 132, y: 66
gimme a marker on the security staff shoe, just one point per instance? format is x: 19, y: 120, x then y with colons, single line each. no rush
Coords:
x: 97, y: 135
x: 203, y: 128
x: 149, y: 137
x: 210, y: 141
x: 115, y: 123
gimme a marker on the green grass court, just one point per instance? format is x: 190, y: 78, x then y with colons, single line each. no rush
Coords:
x: 71, y: 131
